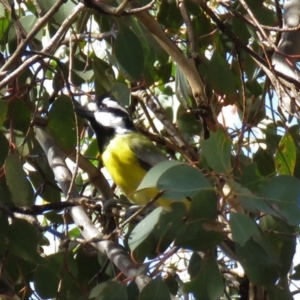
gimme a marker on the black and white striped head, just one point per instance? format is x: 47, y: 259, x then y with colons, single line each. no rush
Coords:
x: 107, y: 118
x: 108, y: 113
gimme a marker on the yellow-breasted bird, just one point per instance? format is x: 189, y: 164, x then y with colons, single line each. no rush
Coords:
x: 126, y: 153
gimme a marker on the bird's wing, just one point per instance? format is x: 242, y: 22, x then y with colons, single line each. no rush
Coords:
x: 147, y: 153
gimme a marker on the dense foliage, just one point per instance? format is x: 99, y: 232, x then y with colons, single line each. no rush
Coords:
x: 211, y: 83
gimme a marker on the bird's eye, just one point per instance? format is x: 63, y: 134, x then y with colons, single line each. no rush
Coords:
x: 103, y: 106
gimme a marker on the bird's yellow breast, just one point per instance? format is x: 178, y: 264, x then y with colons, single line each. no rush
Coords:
x: 123, y: 165
x: 124, y: 168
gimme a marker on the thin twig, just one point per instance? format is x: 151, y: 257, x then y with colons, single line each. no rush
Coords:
x: 259, y: 60
x: 49, y: 49
x: 92, y: 35
x: 192, y: 44
x: 24, y: 43
x: 246, y: 20
x: 88, y: 230
x: 138, y: 212
x: 117, y: 11
x: 143, y: 96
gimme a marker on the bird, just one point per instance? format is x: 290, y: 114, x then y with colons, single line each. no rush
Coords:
x: 126, y: 153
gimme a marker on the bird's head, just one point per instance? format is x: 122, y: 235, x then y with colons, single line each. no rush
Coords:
x: 107, y: 113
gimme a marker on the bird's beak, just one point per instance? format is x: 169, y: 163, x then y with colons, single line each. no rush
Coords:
x: 84, y: 112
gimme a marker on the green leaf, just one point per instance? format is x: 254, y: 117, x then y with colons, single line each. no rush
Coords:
x: 92, y: 150
x: 17, y: 181
x: 285, y: 156
x: 3, y: 149
x: 42, y: 177
x: 177, y: 179
x: 169, y: 15
x: 156, y: 289
x: 104, y: 75
x: 63, y: 12
x: 28, y: 22
x: 246, y: 198
x: 280, y: 198
x: 81, y: 71
x: 217, y: 151
x: 45, y: 186
x: 122, y: 93
x: 62, y: 123
x: 143, y: 229
x: 222, y: 79
x: 282, y: 237
x: 4, y: 25
x: 110, y: 290
x: 183, y: 89
x: 251, y: 177
x: 200, y: 235
x: 87, y: 265
x: 170, y: 224
x: 242, y: 228
x: 240, y: 29
x: 46, y: 277
x: 187, y: 122
x: 172, y: 283
x: 258, y: 265
x: 281, y: 290
x: 208, y: 284
x: 2, y: 10
x: 265, y: 162
x: 158, y: 232
x: 264, y: 15
x: 23, y: 240
x: 195, y: 264
x: 204, y: 206
x: 102, y: 260
x: 129, y: 53
x: 56, y: 269
x: 19, y: 115
x: 133, y: 291
x: 3, y: 111
x: 153, y: 51
x: 5, y: 195
x: 272, y: 137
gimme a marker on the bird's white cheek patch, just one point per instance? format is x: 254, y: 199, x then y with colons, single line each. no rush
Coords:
x: 108, y: 119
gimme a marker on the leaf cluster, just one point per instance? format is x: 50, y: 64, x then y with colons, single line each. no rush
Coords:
x: 178, y: 67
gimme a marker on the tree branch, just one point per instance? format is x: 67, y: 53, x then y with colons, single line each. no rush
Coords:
x: 24, y: 43
x: 186, y: 65
x: 49, y: 49
x: 285, y: 58
x: 119, y: 10
x: 88, y: 230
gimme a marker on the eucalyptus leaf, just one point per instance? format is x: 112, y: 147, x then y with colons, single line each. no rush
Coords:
x: 155, y: 289
x: 126, y: 44
x: 17, y: 181
x: 62, y: 123
x: 285, y: 157
x: 144, y: 229
x: 208, y: 283
x: 217, y: 152
x: 177, y: 179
